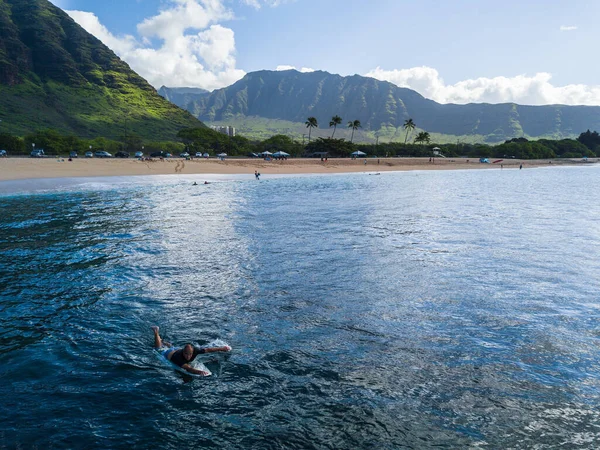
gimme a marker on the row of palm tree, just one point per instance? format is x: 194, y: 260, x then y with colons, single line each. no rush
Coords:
x: 336, y: 120
x: 409, y: 125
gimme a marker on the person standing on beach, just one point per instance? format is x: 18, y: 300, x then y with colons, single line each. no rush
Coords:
x: 185, y: 355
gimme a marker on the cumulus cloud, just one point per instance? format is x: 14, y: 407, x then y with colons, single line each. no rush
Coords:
x: 567, y: 28
x: 194, y: 49
x: 303, y: 69
x: 527, y: 90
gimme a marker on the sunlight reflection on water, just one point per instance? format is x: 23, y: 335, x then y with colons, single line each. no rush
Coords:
x: 411, y: 309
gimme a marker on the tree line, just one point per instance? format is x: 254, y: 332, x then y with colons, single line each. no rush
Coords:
x: 204, y: 140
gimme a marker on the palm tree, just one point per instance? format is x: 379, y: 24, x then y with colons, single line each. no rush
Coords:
x: 409, y: 125
x: 355, y: 126
x: 423, y: 137
x: 335, y: 121
x: 426, y: 137
x: 311, y: 123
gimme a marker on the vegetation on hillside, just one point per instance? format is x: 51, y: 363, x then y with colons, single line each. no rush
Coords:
x: 53, y: 74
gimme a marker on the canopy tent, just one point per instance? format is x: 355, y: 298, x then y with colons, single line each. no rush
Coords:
x: 358, y: 153
x: 280, y: 154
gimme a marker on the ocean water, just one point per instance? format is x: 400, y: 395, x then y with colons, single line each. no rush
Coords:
x: 453, y: 309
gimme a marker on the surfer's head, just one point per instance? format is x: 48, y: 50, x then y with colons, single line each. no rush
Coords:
x: 188, y: 352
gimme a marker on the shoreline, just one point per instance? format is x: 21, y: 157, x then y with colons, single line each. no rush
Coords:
x: 32, y: 168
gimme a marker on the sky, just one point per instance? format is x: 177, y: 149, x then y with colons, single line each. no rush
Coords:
x: 532, y: 52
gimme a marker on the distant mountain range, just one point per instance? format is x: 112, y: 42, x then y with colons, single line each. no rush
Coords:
x: 53, y: 74
x: 283, y: 100
x: 182, y: 95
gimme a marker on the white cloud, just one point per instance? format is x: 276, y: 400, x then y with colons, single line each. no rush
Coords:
x: 303, y: 69
x: 257, y: 4
x: 92, y: 25
x: 194, y: 49
x: 521, y: 89
x: 173, y: 22
x: 567, y: 28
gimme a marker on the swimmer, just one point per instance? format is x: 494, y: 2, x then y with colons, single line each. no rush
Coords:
x: 185, y: 355
x: 195, y: 184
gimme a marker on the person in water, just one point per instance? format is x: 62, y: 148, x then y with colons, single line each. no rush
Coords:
x: 185, y: 355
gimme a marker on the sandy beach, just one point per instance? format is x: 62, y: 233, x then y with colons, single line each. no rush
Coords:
x: 27, y: 168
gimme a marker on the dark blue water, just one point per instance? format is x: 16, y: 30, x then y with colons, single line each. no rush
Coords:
x: 410, y: 310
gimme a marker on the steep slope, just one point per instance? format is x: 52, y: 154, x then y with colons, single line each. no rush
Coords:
x: 381, y: 107
x: 53, y: 74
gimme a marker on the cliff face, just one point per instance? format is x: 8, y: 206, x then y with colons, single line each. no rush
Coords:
x: 294, y: 96
x: 55, y: 74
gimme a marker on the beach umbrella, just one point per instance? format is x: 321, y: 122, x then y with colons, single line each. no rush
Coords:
x: 266, y: 153
x: 358, y: 153
x: 280, y: 154
x: 222, y: 155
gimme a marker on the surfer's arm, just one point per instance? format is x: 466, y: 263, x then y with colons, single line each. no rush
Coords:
x: 225, y: 348
x: 190, y: 369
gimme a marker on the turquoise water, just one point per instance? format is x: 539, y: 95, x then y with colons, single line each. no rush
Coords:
x: 417, y: 309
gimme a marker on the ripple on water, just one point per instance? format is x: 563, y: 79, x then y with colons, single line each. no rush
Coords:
x: 407, y: 310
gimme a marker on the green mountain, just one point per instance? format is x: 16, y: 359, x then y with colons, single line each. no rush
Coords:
x: 269, y: 102
x: 53, y: 74
x: 183, y: 95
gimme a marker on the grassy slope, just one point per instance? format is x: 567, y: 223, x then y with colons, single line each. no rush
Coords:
x: 58, y: 76
x: 88, y: 111
x: 262, y: 128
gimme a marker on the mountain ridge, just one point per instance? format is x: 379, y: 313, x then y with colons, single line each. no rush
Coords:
x: 382, y: 107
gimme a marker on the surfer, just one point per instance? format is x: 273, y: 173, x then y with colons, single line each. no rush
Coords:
x: 185, y: 355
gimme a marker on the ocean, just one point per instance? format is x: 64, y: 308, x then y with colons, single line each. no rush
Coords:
x: 453, y: 309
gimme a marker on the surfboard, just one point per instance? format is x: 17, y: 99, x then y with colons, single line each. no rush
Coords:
x: 195, y: 364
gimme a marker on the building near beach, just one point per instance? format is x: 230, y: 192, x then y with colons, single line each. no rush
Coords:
x: 228, y: 130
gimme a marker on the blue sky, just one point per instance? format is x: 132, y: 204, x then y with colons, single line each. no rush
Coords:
x: 460, y: 51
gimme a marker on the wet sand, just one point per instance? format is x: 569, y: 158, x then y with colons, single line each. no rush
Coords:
x: 27, y: 168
